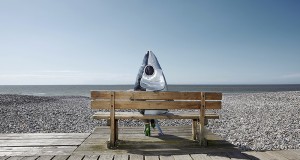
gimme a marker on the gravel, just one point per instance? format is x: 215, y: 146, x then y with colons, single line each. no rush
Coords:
x: 260, y: 121
x: 253, y: 121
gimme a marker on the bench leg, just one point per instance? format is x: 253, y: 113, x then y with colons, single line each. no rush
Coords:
x: 111, y: 140
x: 202, y: 140
x: 194, y: 129
x: 113, y: 133
x: 116, y: 130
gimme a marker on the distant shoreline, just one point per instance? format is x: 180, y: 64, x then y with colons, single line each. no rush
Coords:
x: 84, y: 90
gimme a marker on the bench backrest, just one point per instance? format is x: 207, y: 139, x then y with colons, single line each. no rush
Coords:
x: 155, y: 100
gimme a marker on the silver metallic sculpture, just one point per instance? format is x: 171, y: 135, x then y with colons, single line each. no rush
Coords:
x: 151, y: 78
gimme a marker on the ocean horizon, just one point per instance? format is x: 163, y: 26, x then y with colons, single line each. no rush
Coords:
x: 84, y: 90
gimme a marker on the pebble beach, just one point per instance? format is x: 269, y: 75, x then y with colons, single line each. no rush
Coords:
x: 251, y: 121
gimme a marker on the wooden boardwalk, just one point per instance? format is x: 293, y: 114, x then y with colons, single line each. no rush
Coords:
x: 133, y: 145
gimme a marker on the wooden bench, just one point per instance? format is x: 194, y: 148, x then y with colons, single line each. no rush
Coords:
x: 188, y: 101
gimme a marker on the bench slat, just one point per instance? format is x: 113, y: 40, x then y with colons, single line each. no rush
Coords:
x: 141, y: 95
x: 137, y: 115
x: 112, y: 100
x: 155, y: 104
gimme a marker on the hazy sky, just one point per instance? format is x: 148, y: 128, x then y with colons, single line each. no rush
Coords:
x: 104, y: 41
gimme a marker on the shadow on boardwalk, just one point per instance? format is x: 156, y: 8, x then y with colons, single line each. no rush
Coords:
x: 176, y: 144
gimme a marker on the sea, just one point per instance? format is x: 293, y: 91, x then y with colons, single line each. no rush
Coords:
x: 84, y: 90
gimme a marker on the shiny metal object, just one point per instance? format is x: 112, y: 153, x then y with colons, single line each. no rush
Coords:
x: 150, y: 76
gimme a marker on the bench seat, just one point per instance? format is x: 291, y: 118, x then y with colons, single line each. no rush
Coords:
x: 138, y: 115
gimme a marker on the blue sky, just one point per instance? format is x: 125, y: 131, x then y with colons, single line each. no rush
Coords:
x: 103, y: 42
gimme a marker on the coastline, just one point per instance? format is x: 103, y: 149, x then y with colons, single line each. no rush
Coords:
x: 252, y: 121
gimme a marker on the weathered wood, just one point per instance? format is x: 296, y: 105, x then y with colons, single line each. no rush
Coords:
x: 194, y: 129
x: 155, y: 104
x: 200, y: 157
x: 276, y: 155
x: 136, y: 157
x: 76, y: 157
x: 202, y: 118
x: 41, y: 150
x: 151, y: 158
x: 218, y: 156
x: 116, y: 130
x: 41, y: 142
x: 91, y: 157
x: 112, y: 120
x: 106, y: 157
x: 45, y: 157
x: 260, y: 155
x: 182, y: 157
x: 292, y: 154
x: 15, y: 158
x: 30, y: 158
x: 121, y: 157
x: 113, y: 100
x: 140, y: 95
x: 170, y: 115
x: 3, y: 157
x: 296, y: 151
x: 164, y: 147
x: 61, y: 157
x: 289, y: 154
x: 166, y: 157
x: 236, y: 155
x: 23, y: 136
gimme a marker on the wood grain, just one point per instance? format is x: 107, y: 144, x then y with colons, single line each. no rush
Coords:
x: 164, y: 95
x: 137, y: 115
x: 95, y: 104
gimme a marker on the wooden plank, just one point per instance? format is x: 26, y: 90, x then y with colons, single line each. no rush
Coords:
x: 61, y: 157
x: 3, y: 157
x: 259, y: 155
x: 121, y: 157
x: 155, y: 104
x: 40, y: 142
x: 140, y: 95
x: 213, y: 96
x: 106, y: 157
x: 116, y: 130
x: 30, y: 158
x: 289, y: 154
x: 182, y: 157
x: 166, y: 157
x: 219, y: 156
x: 44, y: 136
x: 151, y: 157
x: 17, y: 151
x: 57, y: 150
x: 194, y: 129
x: 15, y: 158
x: 202, y: 120
x: 276, y: 155
x: 76, y: 157
x: 91, y: 157
x: 112, y: 120
x: 45, y: 157
x: 200, y: 157
x: 137, y: 115
x: 236, y: 155
x: 136, y: 157
x: 296, y: 151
